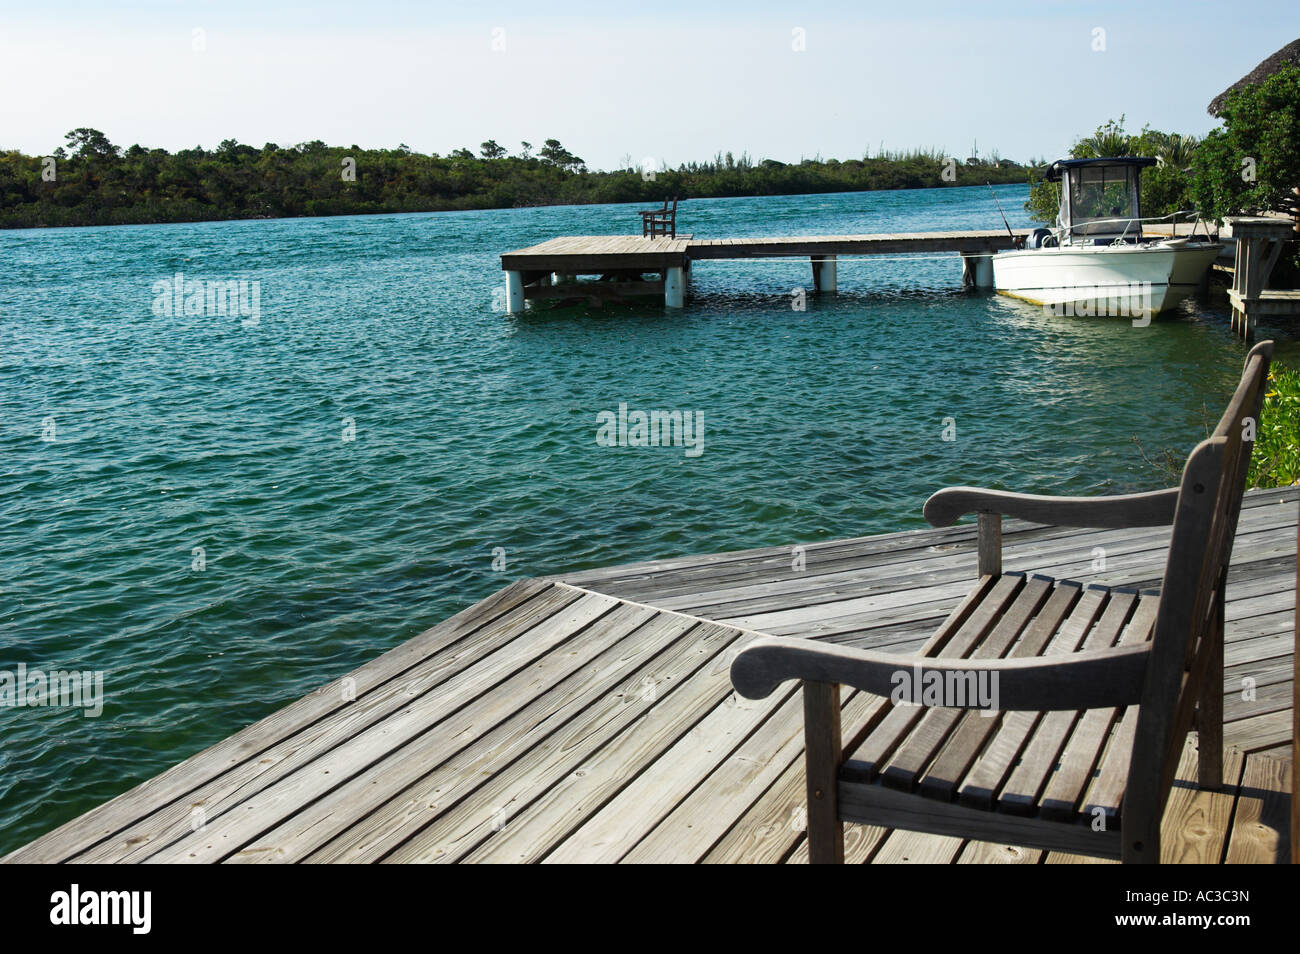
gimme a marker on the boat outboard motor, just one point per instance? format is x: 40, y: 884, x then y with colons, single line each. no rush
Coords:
x: 1038, y: 238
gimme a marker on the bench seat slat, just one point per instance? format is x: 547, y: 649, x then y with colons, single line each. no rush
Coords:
x: 985, y: 779
x: 1063, y: 794
x: 964, y: 746
x: 1107, y: 790
x: 929, y: 736
x: 990, y: 601
x: 1019, y: 763
x: 1039, y: 758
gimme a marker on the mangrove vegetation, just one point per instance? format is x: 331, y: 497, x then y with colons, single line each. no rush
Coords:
x: 91, y: 181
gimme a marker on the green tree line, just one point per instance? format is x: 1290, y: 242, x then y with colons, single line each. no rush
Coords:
x: 1167, y: 187
x: 1247, y: 165
x: 90, y: 181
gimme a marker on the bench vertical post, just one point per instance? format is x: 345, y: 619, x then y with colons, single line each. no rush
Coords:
x: 1209, y: 702
x: 821, y: 723
x: 989, y: 541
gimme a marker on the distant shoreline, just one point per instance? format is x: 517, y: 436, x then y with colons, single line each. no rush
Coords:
x: 547, y: 205
x: 100, y: 184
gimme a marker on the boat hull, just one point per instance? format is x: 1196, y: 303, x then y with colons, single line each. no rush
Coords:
x: 1116, y: 281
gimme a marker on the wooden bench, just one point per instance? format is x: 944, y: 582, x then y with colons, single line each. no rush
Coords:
x: 1089, y: 690
x: 662, y: 221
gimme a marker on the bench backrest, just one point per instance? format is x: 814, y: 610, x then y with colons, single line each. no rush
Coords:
x: 1191, y: 596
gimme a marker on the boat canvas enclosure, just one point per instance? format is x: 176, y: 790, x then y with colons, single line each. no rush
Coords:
x: 1100, y: 199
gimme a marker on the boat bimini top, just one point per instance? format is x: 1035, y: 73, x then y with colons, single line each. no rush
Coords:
x: 1100, y: 199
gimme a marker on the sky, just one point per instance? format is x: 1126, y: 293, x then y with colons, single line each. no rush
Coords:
x: 622, y: 83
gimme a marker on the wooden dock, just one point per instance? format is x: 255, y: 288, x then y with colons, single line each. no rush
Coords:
x: 590, y: 717
x: 624, y: 264
x: 1259, y: 243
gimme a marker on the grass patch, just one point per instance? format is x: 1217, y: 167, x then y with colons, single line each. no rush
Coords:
x: 1276, y: 460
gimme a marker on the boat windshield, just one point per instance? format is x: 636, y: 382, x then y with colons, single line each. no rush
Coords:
x: 1100, y: 202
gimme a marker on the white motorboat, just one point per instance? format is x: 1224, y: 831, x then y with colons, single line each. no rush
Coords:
x: 1096, y: 262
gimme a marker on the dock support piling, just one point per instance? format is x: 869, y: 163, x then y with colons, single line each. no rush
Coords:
x: 977, y: 271
x: 675, y: 287
x: 514, y: 292
x: 825, y: 277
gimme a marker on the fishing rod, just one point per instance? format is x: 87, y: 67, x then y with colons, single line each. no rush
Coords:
x: 1000, y: 212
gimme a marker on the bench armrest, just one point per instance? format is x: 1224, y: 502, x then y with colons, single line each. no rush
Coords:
x: 1085, y: 680
x: 1152, y: 509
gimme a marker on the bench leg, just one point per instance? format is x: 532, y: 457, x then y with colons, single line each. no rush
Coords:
x: 1209, y: 705
x: 1141, y: 847
x: 989, y: 544
x: 821, y: 722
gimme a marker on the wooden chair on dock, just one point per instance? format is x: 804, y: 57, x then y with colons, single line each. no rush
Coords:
x: 660, y: 222
x: 1042, y: 713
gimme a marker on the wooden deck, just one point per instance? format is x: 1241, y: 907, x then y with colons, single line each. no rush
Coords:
x: 845, y: 246
x: 590, y: 717
x: 1271, y: 303
x: 581, y: 254
x: 548, y: 270
x: 1259, y: 242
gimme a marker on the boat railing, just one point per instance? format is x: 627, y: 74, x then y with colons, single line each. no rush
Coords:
x: 1060, y: 233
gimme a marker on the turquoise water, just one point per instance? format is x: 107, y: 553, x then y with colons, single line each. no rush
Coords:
x: 476, y: 430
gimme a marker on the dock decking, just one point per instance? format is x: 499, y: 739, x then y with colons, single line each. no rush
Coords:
x: 590, y: 717
x: 548, y: 270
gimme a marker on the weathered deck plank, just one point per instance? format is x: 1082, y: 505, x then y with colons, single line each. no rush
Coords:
x: 449, y: 813
x: 583, y: 253
x: 1260, y: 831
x: 442, y: 763
x: 590, y: 718
x: 142, y: 801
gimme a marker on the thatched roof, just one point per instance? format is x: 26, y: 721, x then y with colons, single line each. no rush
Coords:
x: 1288, y: 54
